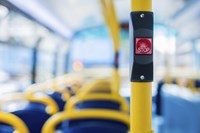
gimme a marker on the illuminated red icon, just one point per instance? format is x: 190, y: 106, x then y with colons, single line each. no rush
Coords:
x: 143, y: 46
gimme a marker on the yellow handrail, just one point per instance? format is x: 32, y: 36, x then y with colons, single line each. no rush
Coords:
x: 65, y: 94
x: 90, y: 97
x: 95, y: 85
x: 36, y: 87
x: 14, y: 121
x: 49, y: 126
x: 47, y: 86
x: 65, y: 80
x: 109, y: 14
x: 52, y: 107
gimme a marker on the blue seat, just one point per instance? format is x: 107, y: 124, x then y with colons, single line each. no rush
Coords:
x: 33, y: 115
x: 158, y: 100
x: 197, y: 83
x: 93, y: 126
x: 89, y: 121
x: 4, y: 128
x: 98, y: 104
x: 181, y: 114
x: 57, y: 97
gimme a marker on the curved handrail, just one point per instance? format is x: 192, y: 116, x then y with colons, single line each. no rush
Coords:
x: 49, y: 126
x: 47, y: 86
x: 14, y: 121
x: 100, y: 84
x: 52, y: 107
x: 115, y: 98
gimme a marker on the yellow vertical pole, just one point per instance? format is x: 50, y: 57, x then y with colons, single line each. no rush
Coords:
x: 114, y: 28
x: 141, y: 99
x: 141, y: 5
x: 141, y: 112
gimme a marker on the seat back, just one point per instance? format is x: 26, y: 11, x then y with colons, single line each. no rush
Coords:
x: 89, y: 121
x: 10, y: 123
x: 94, y: 125
x: 96, y: 86
x: 57, y: 97
x: 34, y: 115
x: 197, y: 83
x: 5, y: 128
x: 98, y: 104
x: 98, y: 101
x: 35, y: 112
x: 60, y: 96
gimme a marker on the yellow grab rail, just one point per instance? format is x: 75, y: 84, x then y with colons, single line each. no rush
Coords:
x: 36, y: 87
x: 65, y: 80
x: 141, y: 101
x: 14, y: 121
x: 52, y: 107
x: 49, y: 126
x: 115, y: 98
x: 65, y: 94
x: 48, y: 86
x: 109, y: 14
x: 95, y: 85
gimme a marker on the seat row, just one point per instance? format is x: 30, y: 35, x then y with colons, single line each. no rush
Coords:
x: 47, y: 108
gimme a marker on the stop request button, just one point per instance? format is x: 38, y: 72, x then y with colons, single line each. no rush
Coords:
x: 143, y: 46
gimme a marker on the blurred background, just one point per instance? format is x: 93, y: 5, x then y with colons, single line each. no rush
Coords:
x: 43, y: 39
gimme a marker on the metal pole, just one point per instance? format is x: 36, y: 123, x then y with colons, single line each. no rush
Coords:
x: 34, y: 63
x: 108, y: 11
x: 55, y: 63
x: 141, y: 34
